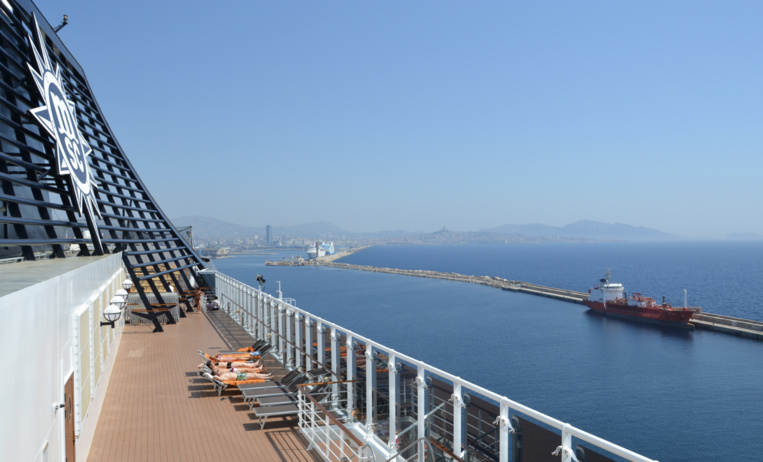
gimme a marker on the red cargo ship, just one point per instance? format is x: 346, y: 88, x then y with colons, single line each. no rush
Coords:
x: 609, y: 298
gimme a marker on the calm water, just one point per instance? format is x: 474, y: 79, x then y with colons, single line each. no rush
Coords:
x: 670, y: 395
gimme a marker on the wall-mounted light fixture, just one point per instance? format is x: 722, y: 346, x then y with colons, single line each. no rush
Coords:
x: 118, y: 301
x: 113, y: 312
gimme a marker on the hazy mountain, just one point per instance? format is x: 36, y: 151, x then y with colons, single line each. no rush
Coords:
x: 328, y: 231
x: 319, y: 230
x: 212, y: 228
x: 587, y: 229
x: 205, y: 227
x: 744, y: 237
x: 535, y: 229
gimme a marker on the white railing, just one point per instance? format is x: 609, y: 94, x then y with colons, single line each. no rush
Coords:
x: 441, y: 405
x: 325, y: 430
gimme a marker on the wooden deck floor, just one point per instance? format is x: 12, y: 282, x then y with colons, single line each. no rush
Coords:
x: 158, y: 409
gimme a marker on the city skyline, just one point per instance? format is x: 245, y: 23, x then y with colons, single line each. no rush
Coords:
x: 436, y: 114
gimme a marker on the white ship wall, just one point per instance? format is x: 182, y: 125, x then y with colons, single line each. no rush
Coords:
x: 50, y: 330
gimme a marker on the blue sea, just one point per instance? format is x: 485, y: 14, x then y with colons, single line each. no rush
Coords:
x: 667, y: 394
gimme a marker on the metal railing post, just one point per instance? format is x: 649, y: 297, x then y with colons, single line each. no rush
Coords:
x: 281, y: 316
x: 394, y: 393
x: 245, y: 308
x: 458, y: 418
x: 288, y: 342
x: 321, y: 334
x: 273, y: 321
x: 249, y: 317
x: 351, y: 373
x: 240, y: 292
x: 308, y: 343
x: 326, y: 425
x: 566, y: 448
x: 260, y: 314
x: 370, y: 386
x: 298, y: 319
x: 335, y: 367
x: 224, y: 289
x: 504, y: 429
x: 421, y: 410
x: 237, y: 302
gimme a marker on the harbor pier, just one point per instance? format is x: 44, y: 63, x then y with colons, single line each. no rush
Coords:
x: 706, y: 321
x: 490, y: 281
x: 729, y: 325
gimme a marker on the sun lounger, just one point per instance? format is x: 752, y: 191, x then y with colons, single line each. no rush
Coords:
x: 238, y: 356
x: 276, y: 401
x: 312, y: 376
x: 287, y: 405
x: 221, y: 385
x: 256, y: 346
x: 287, y: 398
x: 284, y: 410
x: 251, y: 394
x: 285, y: 381
x: 205, y: 368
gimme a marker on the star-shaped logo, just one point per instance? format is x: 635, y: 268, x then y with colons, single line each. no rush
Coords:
x: 59, y: 118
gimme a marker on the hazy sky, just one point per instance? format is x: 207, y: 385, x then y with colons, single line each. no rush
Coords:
x: 422, y: 114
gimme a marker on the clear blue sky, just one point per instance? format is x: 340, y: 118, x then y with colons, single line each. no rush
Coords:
x: 422, y: 114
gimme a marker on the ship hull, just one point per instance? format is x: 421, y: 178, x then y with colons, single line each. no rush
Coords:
x: 651, y: 315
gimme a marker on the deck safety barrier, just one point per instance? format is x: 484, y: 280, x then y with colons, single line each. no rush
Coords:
x: 327, y: 433
x: 396, y: 406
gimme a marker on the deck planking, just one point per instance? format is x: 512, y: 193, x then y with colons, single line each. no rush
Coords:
x: 158, y: 409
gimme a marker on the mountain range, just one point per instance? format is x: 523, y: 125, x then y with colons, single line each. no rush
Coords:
x: 588, y: 230
x: 584, y: 230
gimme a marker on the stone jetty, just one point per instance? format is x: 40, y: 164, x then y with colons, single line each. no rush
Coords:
x: 701, y: 320
x: 490, y: 281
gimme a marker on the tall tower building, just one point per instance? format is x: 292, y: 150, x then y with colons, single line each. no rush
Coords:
x: 269, y: 235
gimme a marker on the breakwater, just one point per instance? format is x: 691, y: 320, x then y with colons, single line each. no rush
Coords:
x: 490, y: 281
x: 701, y: 320
x: 729, y: 325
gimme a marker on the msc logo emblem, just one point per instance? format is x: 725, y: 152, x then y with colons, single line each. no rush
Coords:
x: 59, y: 118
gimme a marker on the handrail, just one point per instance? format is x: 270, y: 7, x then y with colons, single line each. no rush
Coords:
x: 444, y: 449
x: 503, y: 401
x: 277, y: 335
x: 333, y: 419
x: 422, y: 439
